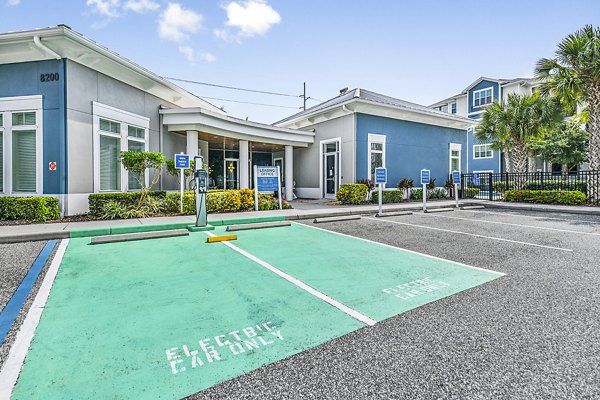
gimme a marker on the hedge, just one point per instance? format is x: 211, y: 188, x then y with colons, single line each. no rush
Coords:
x: 352, y: 193
x: 470, y: 193
x: 565, y: 197
x: 96, y: 201
x: 36, y: 209
x: 389, y: 196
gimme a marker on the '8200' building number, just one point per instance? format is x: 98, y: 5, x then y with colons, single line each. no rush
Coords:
x: 49, y: 77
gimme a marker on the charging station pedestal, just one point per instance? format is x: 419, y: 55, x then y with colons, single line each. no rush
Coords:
x: 201, y: 176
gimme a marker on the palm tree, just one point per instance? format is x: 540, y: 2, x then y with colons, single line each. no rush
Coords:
x: 510, y: 125
x: 573, y: 76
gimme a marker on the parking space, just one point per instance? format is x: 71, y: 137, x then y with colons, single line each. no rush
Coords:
x: 394, y: 307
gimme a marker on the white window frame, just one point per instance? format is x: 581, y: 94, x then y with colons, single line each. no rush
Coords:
x: 454, y: 147
x: 475, y: 146
x: 454, y: 106
x: 483, y: 90
x: 484, y: 171
x: 124, y: 118
x: 322, y: 144
x: 9, y: 105
x: 379, y: 139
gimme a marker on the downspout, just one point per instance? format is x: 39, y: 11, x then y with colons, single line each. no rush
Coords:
x: 38, y: 42
x: 160, y: 143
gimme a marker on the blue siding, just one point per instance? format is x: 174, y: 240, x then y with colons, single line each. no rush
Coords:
x: 410, y: 147
x: 482, y: 85
x: 23, y: 79
x: 485, y: 164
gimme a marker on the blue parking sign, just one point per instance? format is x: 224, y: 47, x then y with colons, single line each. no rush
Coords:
x: 456, y: 177
x: 381, y: 175
x: 182, y: 161
x: 425, y: 176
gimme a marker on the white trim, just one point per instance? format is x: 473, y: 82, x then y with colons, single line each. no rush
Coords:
x: 339, y: 162
x: 453, y: 147
x: 380, y: 139
x: 485, y: 171
x: 124, y: 118
x: 12, y: 367
x: 482, y: 90
x: 321, y: 296
x: 9, y: 105
x: 482, y: 158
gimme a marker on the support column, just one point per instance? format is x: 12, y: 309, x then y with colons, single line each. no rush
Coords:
x: 192, y: 144
x: 289, y: 172
x: 244, y: 168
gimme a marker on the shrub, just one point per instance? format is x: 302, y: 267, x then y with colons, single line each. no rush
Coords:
x: 352, y: 193
x: 96, y: 201
x: 36, y: 209
x: 405, y: 183
x: 215, y: 202
x: 470, y: 193
x: 437, y: 194
x: 247, y: 200
x: 564, y: 197
x: 368, y: 182
x: 416, y: 194
x: 431, y: 184
x: 189, y: 202
x: 389, y: 196
x: 231, y: 201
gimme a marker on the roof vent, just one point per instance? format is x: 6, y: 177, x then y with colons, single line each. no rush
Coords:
x: 344, y: 90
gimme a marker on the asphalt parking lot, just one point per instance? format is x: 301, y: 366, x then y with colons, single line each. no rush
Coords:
x: 532, y: 334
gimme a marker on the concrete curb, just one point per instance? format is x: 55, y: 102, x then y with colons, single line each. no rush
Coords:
x: 539, y: 208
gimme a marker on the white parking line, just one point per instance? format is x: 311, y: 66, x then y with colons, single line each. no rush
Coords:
x: 514, y: 213
x: 12, y: 367
x: 470, y: 234
x: 511, y: 224
x: 342, y: 307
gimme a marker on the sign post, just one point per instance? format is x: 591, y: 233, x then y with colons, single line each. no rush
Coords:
x: 381, y: 179
x: 425, y: 177
x: 456, y: 182
x: 182, y: 162
x: 266, y: 180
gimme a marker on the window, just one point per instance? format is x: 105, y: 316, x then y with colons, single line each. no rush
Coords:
x: 444, y: 108
x: 455, y: 149
x: 1, y: 154
x: 24, y: 160
x: 376, y: 154
x: 453, y: 108
x: 116, y: 131
x: 483, y: 151
x: 135, y: 142
x: 483, y: 97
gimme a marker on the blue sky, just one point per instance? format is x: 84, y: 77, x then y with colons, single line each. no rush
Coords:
x: 420, y: 51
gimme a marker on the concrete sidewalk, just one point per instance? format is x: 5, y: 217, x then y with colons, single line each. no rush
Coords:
x: 61, y: 230
x: 588, y: 210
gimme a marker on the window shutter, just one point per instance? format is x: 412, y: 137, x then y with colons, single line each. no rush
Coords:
x: 24, y: 161
x: 110, y: 164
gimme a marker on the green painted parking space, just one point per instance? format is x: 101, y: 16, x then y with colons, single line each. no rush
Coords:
x: 378, y: 281
x: 162, y: 319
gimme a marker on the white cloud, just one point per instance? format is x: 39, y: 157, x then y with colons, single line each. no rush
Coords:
x: 251, y: 17
x: 192, y: 56
x: 108, y: 8
x: 140, y: 6
x: 13, y: 2
x: 176, y: 23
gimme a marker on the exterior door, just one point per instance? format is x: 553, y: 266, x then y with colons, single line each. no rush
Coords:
x: 331, y: 175
x: 278, y: 162
x: 232, y: 173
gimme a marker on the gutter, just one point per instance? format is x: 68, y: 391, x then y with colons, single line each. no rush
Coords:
x: 38, y: 43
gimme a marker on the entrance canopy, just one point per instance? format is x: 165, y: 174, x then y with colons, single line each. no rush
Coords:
x: 201, y: 120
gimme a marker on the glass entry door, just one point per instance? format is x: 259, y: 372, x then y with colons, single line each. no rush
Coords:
x: 330, y: 174
x: 232, y: 173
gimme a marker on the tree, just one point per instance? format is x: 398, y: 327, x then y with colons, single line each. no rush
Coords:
x: 188, y: 174
x: 573, y: 76
x: 137, y: 162
x: 510, y: 125
x: 566, y: 145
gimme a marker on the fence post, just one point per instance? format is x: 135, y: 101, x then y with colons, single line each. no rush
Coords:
x: 506, y: 182
x: 491, y: 185
x: 542, y: 180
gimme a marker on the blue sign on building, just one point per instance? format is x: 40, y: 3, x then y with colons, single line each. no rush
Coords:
x: 381, y: 175
x: 182, y: 161
x: 267, y: 179
x: 456, y: 177
x: 425, y: 176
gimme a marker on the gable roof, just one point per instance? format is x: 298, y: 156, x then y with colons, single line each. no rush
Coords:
x: 374, y: 98
x: 61, y: 41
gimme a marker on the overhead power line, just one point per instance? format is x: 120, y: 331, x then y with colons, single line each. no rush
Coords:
x: 249, y: 102
x: 233, y: 87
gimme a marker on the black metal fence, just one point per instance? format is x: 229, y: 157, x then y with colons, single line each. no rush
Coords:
x: 492, y: 186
